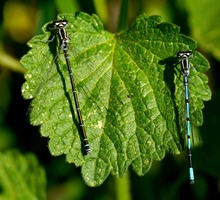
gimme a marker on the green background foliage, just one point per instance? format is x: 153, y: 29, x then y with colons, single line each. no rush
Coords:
x: 64, y: 180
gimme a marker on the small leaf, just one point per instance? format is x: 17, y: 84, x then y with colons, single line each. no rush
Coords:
x: 21, y: 177
x: 130, y: 92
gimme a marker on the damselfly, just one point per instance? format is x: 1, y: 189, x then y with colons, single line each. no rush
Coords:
x: 60, y: 25
x: 185, y: 66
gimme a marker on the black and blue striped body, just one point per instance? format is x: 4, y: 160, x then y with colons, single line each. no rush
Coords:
x: 185, y: 66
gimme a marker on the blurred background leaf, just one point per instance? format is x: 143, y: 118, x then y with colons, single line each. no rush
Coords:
x: 204, y: 27
x: 21, y: 178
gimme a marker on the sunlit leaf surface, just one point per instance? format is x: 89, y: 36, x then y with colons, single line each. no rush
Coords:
x: 130, y: 92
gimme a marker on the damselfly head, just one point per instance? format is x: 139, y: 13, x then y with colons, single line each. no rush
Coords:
x: 57, y: 24
x: 60, y: 23
x: 184, y: 54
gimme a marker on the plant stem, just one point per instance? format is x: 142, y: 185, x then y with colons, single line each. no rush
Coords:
x: 123, y: 187
x: 7, y: 61
x: 122, y: 25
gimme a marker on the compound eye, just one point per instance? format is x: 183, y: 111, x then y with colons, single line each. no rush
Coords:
x: 180, y: 54
x: 189, y: 54
x: 64, y: 22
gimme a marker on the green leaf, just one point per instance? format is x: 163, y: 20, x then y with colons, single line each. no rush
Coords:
x: 130, y: 92
x: 21, y: 177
